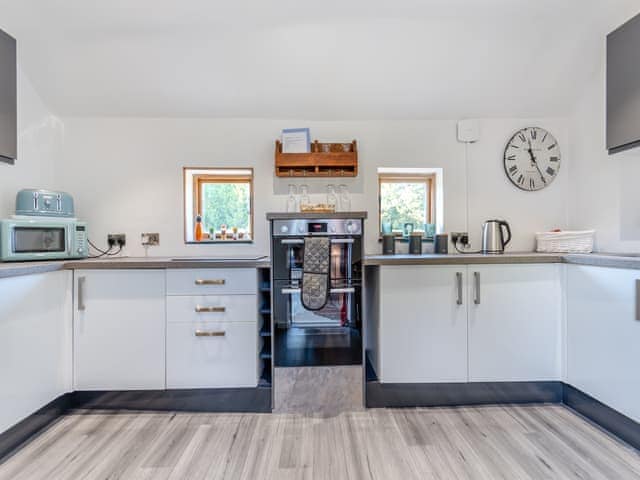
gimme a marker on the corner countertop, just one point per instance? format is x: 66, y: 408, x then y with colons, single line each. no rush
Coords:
x: 463, y: 259
x: 14, y: 269
x: 315, y: 216
x: 629, y: 261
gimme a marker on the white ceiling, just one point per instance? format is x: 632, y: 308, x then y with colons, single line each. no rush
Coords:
x: 327, y: 59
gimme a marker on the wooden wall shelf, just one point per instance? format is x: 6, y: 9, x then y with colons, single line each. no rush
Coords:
x: 324, y: 160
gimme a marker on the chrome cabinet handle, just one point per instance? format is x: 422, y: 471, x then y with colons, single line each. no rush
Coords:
x: 81, y: 283
x: 638, y: 300
x: 204, y: 333
x: 201, y: 309
x: 476, y: 280
x: 218, y: 281
x: 292, y: 241
x: 291, y: 291
x: 459, y: 285
x: 296, y: 241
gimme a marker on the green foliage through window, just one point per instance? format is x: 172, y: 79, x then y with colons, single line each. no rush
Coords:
x: 404, y: 202
x: 226, y: 204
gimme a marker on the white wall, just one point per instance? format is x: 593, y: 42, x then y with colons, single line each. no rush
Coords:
x: 40, y: 136
x: 126, y: 174
x: 603, y: 190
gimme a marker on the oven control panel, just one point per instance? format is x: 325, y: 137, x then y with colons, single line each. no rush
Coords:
x: 329, y: 227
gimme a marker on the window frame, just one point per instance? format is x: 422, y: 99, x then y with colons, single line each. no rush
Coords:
x: 198, y: 179
x: 429, y: 179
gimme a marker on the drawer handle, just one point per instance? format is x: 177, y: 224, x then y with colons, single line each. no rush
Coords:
x: 219, y: 281
x: 204, y: 333
x: 201, y: 309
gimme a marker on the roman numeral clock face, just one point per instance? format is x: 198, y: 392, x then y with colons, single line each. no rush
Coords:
x: 532, y: 159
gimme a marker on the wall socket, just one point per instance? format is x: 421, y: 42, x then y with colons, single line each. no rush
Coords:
x: 150, y: 239
x: 461, y: 238
x: 116, y: 240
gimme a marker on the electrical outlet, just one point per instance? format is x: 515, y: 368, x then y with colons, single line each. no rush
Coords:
x: 461, y: 238
x: 117, y: 240
x: 150, y: 239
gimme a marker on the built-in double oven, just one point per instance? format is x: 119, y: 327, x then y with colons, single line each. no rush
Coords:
x: 333, y: 334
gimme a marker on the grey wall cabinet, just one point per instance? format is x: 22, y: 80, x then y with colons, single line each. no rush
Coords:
x: 8, y: 99
x: 623, y: 87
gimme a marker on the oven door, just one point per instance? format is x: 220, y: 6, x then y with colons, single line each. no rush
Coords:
x: 345, y: 271
x: 330, y: 336
x: 338, y: 312
x: 288, y: 256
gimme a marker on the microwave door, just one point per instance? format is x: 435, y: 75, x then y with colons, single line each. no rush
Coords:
x: 29, y: 240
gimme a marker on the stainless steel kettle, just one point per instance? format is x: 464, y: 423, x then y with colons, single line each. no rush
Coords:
x: 493, y: 236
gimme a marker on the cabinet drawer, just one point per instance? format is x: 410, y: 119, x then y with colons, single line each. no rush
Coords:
x: 212, y: 354
x: 212, y: 308
x: 207, y: 281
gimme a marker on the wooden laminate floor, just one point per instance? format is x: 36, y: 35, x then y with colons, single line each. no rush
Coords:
x: 497, y: 442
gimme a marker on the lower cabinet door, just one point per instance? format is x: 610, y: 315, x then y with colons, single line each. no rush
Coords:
x: 603, y: 342
x: 423, y: 324
x: 119, y: 330
x: 212, y: 354
x: 515, y: 323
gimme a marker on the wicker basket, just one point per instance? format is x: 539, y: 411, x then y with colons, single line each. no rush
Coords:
x: 565, y: 242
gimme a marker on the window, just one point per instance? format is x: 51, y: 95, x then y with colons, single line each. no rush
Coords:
x: 406, y: 198
x: 223, y: 198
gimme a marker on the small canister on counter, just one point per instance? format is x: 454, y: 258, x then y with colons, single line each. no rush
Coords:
x: 441, y: 244
x: 388, y: 244
x: 415, y: 243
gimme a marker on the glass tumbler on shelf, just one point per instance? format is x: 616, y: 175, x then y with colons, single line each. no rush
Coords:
x: 291, y: 199
x: 304, y: 196
x: 345, y: 200
x: 332, y: 199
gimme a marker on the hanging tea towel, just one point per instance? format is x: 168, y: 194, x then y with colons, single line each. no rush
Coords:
x: 316, y: 272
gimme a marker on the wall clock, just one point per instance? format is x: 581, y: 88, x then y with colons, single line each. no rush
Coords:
x: 532, y: 159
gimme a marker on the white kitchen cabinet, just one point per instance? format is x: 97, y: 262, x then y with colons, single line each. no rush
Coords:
x: 603, y: 336
x: 35, y: 343
x: 212, y: 328
x: 423, y: 324
x: 212, y: 354
x: 515, y: 322
x: 119, y: 329
x: 212, y: 281
x: 212, y: 308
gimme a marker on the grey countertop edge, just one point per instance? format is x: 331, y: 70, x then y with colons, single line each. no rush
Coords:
x: 9, y: 269
x: 457, y: 259
x: 591, y: 259
x: 160, y: 263
x: 29, y: 268
x: 315, y: 216
x: 604, y: 260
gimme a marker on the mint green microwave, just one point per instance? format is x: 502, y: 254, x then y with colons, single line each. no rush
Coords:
x: 40, y: 238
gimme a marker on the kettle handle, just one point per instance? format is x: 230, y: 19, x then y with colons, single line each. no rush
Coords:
x: 506, y: 242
